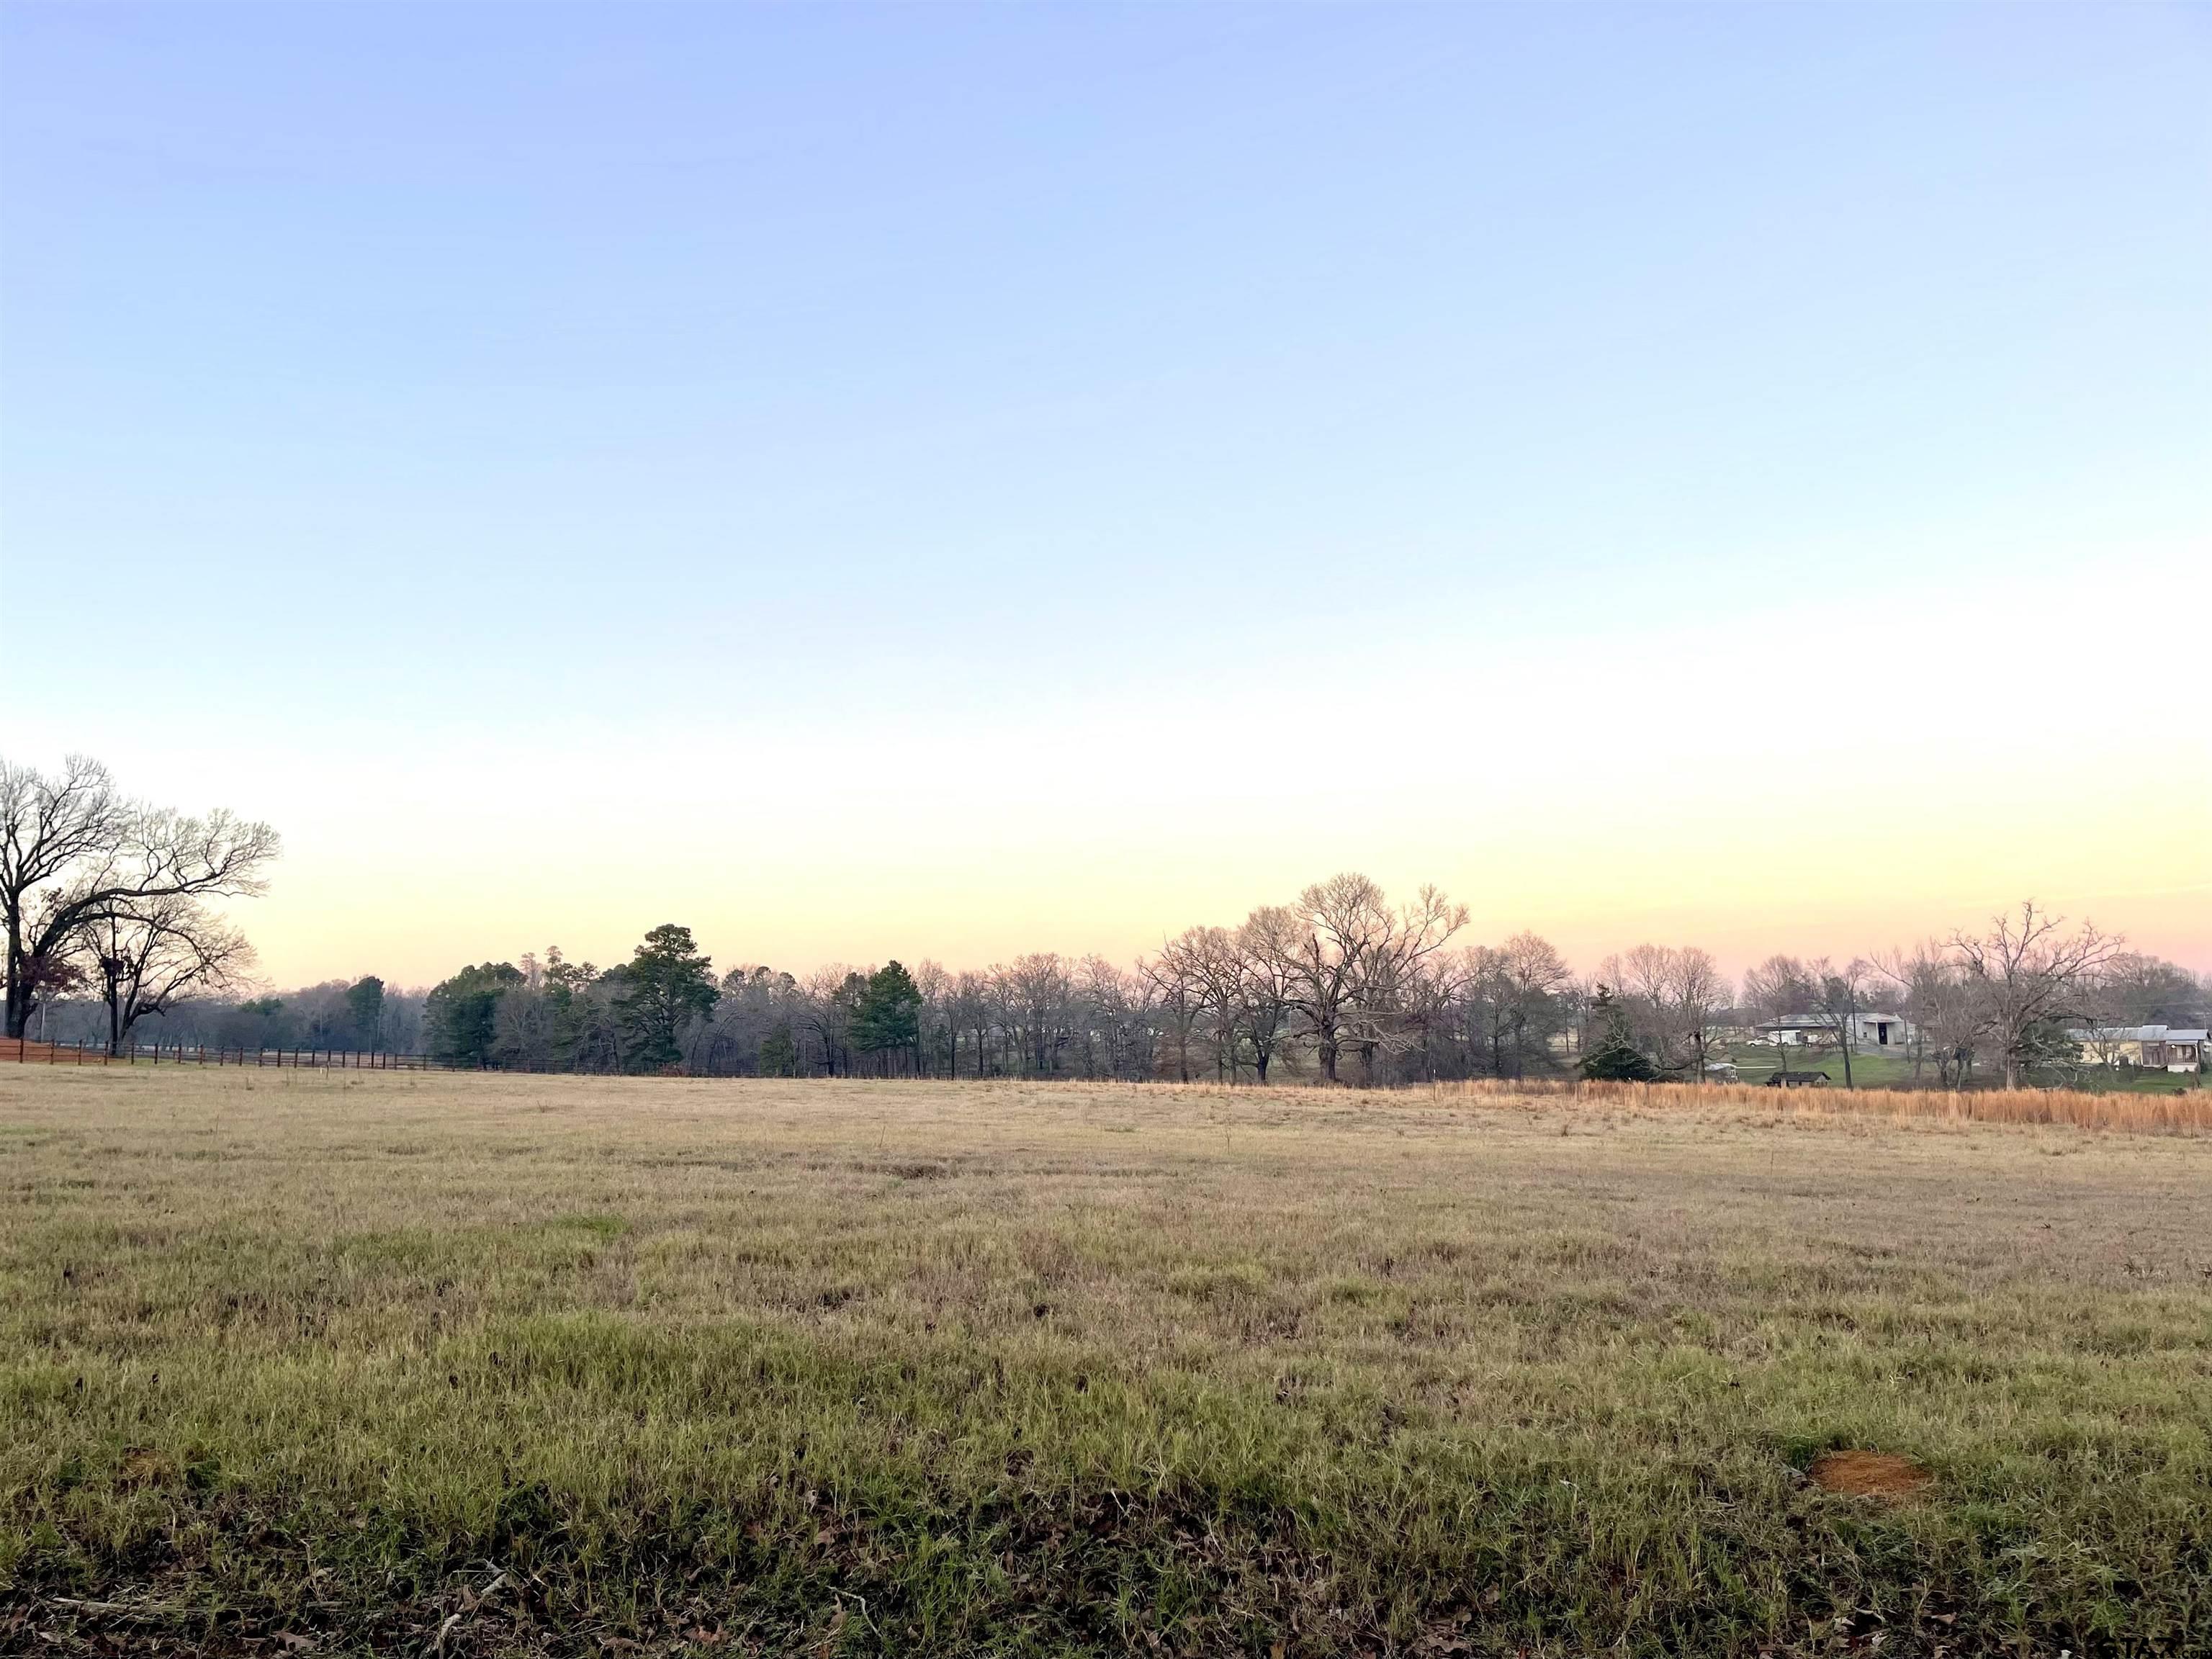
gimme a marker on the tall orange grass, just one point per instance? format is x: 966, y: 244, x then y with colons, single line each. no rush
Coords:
x: 2182, y: 1112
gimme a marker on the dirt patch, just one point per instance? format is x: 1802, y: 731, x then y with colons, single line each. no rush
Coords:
x: 1868, y: 1475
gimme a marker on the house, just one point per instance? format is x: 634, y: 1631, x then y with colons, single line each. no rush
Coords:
x: 2159, y: 1048
x: 1870, y: 1033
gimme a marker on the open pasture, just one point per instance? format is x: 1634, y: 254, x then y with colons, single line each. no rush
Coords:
x: 476, y: 1364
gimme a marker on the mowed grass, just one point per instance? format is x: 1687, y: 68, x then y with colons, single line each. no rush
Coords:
x: 293, y: 1362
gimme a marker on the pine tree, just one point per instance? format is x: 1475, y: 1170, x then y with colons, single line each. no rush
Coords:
x: 1616, y: 1059
x: 889, y: 1016
x: 665, y: 985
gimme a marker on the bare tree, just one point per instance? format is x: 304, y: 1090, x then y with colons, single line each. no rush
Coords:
x: 1036, y: 989
x: 1536, y: 976
x: 1177, y: 996
x: 1115, y: 1019
x: 937, y: 1034
x: 2029, y: 972
x: 1695, y: 993
x: 526, y: 1028
x: 72, y: 849
x: 1335, y: 926
x: 1780, y: 988
x: 148, y: 954
x: 1834, y: 997
x: 2138, y: 989
x: 1926, y: 981
x: 1346, y: 957
x: 1958, y: 1024
x: 1674, y: 994
x: 824, y: 1012
x: 1643, y: 978
x: 1395, y: 974
x: 1264, y: 978
x: 970, y: 1011
x: 1206, y: 961
x: 1485, y: 1004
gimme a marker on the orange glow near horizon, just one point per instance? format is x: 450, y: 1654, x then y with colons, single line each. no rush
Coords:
x: 1637, y: 793
x: 846, y: 877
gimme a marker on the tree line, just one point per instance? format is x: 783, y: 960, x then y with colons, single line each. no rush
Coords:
x: 1339, y: 985
x: 105, y: 904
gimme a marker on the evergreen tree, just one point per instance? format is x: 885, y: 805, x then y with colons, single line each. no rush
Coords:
x: 779, y: 1054
x: 458, y: 1016
x: 1616, y: 1059
x: 365, y: 1001
x: 583, y: 1036
x: 888, y: 1018
x: 662, y: 989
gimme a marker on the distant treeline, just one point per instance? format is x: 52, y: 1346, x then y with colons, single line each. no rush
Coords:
x: 338, y: 1015
x: 107, y: 939
x: 1338, y: 983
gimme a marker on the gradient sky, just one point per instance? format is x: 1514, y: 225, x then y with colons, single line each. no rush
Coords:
x: 939, y: 482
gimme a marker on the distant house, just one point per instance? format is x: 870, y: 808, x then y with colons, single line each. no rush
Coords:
x: 1870, y: 1033
x: 2159, y: 1048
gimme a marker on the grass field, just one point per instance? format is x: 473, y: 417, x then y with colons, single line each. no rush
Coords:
x: 459, y: 1365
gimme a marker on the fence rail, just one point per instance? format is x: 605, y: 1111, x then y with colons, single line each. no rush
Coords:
x: 28, y: 1052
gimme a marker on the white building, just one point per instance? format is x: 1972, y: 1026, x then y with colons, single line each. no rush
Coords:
x: 1870, y: 1033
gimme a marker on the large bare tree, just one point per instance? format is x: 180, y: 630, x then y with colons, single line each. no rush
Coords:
x: 1347, y: 958
x: 1336, y: 927
x: 2029, y: 971
x: 72, y: 849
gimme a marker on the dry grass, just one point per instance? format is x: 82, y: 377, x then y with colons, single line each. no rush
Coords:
x: 2184, y: 1110
x: 476, y: 1364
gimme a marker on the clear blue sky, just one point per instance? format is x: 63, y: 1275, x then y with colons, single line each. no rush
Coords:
x: 920, y: 390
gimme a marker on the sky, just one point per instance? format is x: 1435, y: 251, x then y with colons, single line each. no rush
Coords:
x: 943, y: 482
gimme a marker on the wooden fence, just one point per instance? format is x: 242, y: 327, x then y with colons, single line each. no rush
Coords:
x: 28, y: 1052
